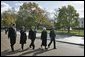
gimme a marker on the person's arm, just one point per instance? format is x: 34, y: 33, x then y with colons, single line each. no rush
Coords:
x: 35, y: 33
x: 41, y: 35
x: 8, y: 33
x: 54, y: 34
x: 5, y: 31
x: 29, y: 35
x: 50, y: 33
x: 25, y: 36
x: 20, y: 31
x: 16, y: 32
x: 46, y: 34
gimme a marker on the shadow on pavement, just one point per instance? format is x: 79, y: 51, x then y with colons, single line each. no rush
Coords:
x: 81, y: 46
x: 7, y: 52
x: 37, y: 51
x: 41, y: 51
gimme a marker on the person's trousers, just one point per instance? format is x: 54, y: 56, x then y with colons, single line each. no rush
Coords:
x: 22, y: 45
x: 12, y: 47
x: 53, y: 43
x: 12, y: 42
x: 32, y: 44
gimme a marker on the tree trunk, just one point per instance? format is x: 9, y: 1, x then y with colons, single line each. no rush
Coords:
x: 68, y: 29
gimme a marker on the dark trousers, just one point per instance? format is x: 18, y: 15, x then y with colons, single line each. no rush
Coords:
x: 32, y: 43
x: 43, y: 45
x: 12, y: 47
x: 12, y: 42
x: 53, y: 43
x: 22, y: 45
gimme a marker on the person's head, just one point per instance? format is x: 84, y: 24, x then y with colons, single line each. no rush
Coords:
x: 44, y: 28
x: 35, y: 29
x: 23, y: 27
x: 13, y: 25
x: 52, y: 28
x: 32, y: 27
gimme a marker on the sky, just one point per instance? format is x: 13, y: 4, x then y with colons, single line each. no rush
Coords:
x: 49, y: 6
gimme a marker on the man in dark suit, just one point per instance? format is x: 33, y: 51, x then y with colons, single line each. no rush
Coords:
x: 52, y: 37
x: 12, y: 36
x: 32, y: 36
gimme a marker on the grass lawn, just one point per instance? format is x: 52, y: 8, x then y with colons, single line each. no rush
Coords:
x: 41, y: 31
x: 72, y: 32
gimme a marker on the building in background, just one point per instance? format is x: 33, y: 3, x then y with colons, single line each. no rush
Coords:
x: 81, y: 22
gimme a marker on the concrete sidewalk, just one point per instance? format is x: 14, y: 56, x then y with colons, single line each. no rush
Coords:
x: 63, y: 49
x: 72, y: 40
x: 65, y: 39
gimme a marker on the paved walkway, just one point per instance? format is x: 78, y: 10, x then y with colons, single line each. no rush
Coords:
x: 63, y: 49
x: 65, y: 38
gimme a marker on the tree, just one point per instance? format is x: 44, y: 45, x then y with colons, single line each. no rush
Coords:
x: 68, y: 17
x: 30, y: 14
x: 8, y: 18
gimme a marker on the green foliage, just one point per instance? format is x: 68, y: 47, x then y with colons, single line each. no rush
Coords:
x: 28, y: 17
x: 8, y: 18
x: 67, y: 17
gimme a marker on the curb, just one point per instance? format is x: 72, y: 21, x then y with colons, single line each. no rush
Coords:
x: 70, y: 43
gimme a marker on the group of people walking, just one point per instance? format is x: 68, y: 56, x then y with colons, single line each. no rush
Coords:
x: 32, y: 36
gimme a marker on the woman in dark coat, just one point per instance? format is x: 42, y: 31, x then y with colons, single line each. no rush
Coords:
x: 12, y: 36
x: 23, y: 37
x: 44, y: 38
x: 32, y: 36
